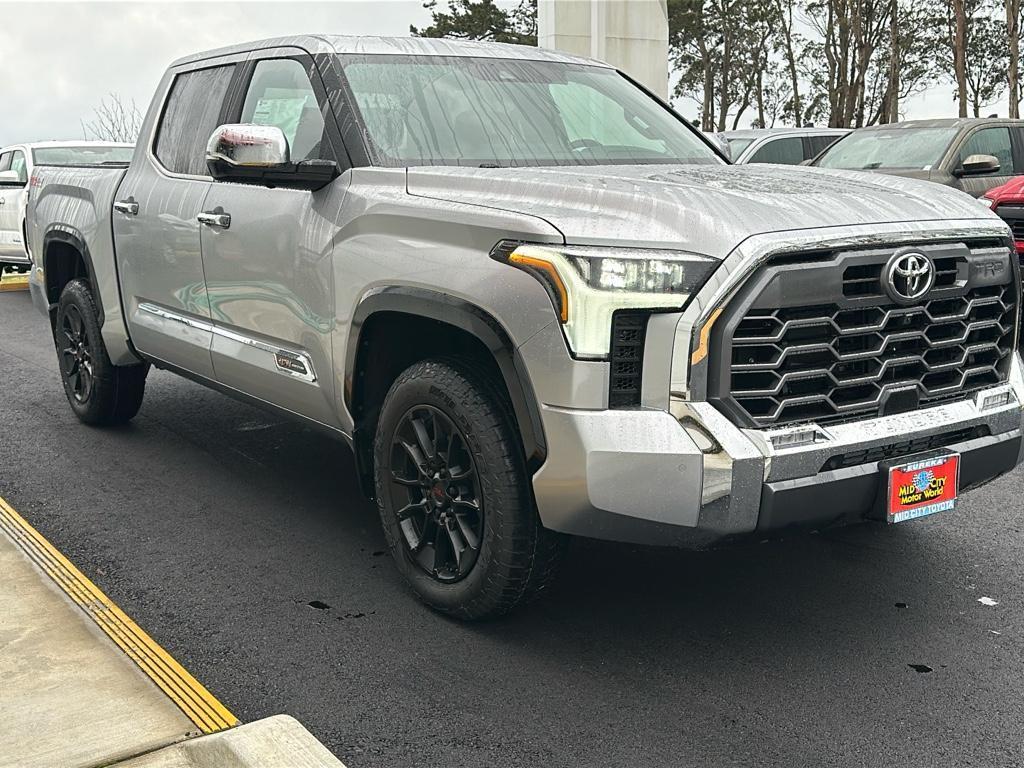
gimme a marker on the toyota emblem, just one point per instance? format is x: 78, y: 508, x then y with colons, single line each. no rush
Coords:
x: 908, y: 276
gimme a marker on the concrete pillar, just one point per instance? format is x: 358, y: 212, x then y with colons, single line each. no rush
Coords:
x: 631, y: 35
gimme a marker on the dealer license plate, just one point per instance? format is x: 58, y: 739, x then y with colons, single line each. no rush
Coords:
x: 922, y: 487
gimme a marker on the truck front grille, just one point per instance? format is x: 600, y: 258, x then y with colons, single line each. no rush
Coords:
x: 822, y: 342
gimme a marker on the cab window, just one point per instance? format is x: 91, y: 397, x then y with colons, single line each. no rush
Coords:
x: 190, y: 117
x: 990, y: 141
x: 788, y: 151
x: 281, y: 94
x: 18, y: 164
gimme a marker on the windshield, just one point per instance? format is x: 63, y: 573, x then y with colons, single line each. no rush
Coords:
x: 83, y: 155
x: 736, y: 146
x: 916, y: 148
x: 430, y: 110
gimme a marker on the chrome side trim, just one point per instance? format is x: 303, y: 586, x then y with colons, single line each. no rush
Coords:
x: 288, y: 361
x: 690, y: 383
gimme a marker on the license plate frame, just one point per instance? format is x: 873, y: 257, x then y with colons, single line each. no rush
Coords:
x: 922, y: 486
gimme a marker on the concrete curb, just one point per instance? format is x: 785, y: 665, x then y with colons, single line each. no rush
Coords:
x: 276, y: 742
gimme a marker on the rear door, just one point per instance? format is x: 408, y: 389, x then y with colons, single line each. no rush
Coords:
x: 991, y: 140
x: 12, y: 205
x: 269, y: 272
x: 156, y: 232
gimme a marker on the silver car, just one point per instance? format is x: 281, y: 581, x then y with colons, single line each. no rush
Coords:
x: 17, y: 163
x: 785, y: 146
x: 535, y: 302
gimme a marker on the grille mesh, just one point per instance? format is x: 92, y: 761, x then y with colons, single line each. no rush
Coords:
x: 628, y: 332
x: 832, y: 363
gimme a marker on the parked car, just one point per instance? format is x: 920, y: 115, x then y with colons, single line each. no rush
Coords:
x: 1008, y: 203
x: 970, y: 154
x: 536, y: 302
x: 16, y: 165
x: 787, y: 146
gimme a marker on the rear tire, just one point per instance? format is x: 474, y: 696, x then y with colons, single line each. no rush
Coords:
x: 454, y: 495
x: 99, y: 392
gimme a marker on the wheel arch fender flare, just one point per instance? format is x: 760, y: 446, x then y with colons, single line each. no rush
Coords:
x: 464, y: 316
x: 61, y: 233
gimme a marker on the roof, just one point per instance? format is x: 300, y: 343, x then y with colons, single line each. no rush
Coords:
x: 81, y: 143
x: 754, y: 133
x: 416, y: 46
x: 943, y: 122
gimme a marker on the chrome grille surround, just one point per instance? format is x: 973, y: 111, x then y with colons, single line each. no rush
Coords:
x: 853, y: 354
x: 688, y: 375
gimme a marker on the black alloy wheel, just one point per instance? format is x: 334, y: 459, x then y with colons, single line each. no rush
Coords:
x: 435, y: 492
x: 98, y: 391
x: 75, y: 357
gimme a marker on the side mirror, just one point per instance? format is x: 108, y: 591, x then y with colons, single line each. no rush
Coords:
x: 259, y: 154
x: 977, y: 165
x: 11, y: 179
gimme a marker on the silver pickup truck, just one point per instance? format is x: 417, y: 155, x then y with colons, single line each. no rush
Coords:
x: 535, y: 302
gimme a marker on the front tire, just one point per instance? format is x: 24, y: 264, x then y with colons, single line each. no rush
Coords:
x: 99, y: 392
x: 454, y: 496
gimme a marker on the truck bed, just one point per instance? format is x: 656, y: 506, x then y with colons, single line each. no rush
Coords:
x: 74, y: 205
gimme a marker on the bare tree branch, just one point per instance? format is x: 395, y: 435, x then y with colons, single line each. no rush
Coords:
x: 115, y: 119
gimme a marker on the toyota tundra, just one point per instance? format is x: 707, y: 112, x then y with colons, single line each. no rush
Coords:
x: 535, y: 302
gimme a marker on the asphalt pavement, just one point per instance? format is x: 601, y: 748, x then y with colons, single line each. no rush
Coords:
x: 240, y: 543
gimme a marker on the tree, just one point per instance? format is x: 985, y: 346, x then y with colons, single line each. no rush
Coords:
x: 958, y: 43
x: 722, y: 50
x: 784, y: 15
x: 1013, y: 9
x: 115, y: 119
x: 976, y: 40
x: 482, y: 20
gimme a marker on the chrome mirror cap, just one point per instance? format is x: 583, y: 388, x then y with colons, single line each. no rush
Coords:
x: 248, y: 146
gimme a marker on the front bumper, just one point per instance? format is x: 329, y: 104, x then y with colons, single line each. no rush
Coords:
x: 691, y: 477
x: 679, y: 472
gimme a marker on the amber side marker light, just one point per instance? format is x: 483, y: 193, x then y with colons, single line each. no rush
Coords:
x: 705, y: 337
x: 556, y: 281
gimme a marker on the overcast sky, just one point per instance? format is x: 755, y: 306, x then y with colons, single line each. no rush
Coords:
x: 58, y: 60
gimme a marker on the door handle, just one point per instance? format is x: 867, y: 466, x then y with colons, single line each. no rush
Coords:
x: 213, y: 219
x: 128, y: 207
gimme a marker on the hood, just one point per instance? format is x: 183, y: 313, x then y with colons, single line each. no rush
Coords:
x: 707, y: 209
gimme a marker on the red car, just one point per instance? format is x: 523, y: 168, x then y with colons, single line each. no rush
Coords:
x: 1008, y: 202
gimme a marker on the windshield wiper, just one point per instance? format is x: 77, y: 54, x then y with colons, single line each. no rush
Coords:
x: 871, y: 166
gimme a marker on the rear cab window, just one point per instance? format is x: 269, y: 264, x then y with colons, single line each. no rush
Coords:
x: 787, y: 151
x: 191, y: 114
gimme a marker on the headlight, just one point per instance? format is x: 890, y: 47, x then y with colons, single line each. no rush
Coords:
x: 587, y: 284
x: 988, y: 202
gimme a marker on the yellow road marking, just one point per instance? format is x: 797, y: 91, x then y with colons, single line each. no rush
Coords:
x: 198, y: 704
x: 14, y: 283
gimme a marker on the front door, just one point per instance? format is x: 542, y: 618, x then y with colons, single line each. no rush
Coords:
x: 995, y: 141
x: 269, y: 272
x: 12, y: 206
x: 156, y: 231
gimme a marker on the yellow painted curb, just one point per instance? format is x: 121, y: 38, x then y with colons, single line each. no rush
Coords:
x: 14, y: 283
x: 198, y: 704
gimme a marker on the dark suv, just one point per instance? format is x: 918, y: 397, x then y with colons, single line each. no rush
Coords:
x: 970, y: 154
